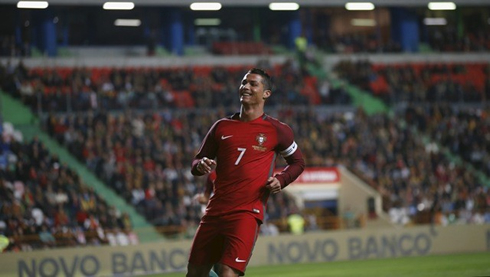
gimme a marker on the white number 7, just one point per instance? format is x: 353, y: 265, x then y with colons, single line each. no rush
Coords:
x: 242, y: 151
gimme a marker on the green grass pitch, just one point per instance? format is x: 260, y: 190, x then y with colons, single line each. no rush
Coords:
x: 454, y: 265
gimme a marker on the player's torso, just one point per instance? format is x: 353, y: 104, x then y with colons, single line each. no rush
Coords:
x: 244, y: 145
x: 245, y: 159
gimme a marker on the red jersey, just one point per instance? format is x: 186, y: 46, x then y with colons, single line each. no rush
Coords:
x: 245, y: 154
x: 210, y: 183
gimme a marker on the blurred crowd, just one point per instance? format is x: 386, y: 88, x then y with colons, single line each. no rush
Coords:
x: 451, y: 39
x: 465, y: 132
x: 142, y: 146
x: 146, y: 158
x: 44, y: 204
x: 419, y: 82
x: 82, y: 89
x: 356, y: 43
x: 444, y: 39
x: 9, y: 47
x: 414, y: 177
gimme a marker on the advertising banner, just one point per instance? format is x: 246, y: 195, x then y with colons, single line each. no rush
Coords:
x: 318, y: 175
x: 331, y: 246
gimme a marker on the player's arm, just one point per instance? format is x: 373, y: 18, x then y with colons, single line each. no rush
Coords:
x: 290, y: 151
x: 296, y: 165
x: 204, y: 160
x: 203, y: 198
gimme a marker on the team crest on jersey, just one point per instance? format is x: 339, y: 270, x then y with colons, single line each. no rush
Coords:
x: 260, y: 138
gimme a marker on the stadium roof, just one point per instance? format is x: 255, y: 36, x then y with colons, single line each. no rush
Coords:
x: 249, y: 3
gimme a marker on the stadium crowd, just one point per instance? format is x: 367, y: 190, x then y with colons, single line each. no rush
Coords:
x: 10, y: 48
x: 414, y: 177
x: 419, y: 82
x: 450, y: 39
x: 464, y: 131
x: 82, y: 89
x: 356, y: 43
x: 44, y: 204
x: 145, y: 156
x: 445, y: 40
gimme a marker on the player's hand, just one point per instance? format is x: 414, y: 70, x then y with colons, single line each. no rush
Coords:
x: 273, y: 185
x: 200, y: 198
x: 205, y: 165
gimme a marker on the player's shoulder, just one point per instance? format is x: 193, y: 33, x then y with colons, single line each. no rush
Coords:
x: 274, y: 121
x: 283, y: 130
x: 225, y: 119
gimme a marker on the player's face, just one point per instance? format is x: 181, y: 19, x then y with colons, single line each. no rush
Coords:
x: 252, y: 89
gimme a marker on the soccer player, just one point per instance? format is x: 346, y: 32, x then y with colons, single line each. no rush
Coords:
x: 243, y: 149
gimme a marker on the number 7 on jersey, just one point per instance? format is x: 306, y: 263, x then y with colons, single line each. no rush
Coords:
x: 242, y: 151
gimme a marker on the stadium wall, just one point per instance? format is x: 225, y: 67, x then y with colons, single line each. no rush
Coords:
x: 328, y: 61
x: 356, y: 195
x: 170, y: 61
x: 284, y: 249
x: 386, y: 58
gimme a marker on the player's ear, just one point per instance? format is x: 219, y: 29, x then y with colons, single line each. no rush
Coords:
x: 267, y: 93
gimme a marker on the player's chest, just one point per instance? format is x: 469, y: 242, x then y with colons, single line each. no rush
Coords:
x: 255, y: 137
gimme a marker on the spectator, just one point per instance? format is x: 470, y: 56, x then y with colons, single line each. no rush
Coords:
x: 296, y: 223
x: 47, y: 237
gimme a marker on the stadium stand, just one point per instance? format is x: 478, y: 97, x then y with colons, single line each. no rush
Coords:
x: 116, y: 146
x: 357, y: 43
x: 81, y: 89
x: 462, y: 130
x: 145, y: 158
x: 241, y: 48
x: 137, y: 128
x: 449, y: 40
x: 45, y: 205
x: 444, y: 40
x: 419, y: 82
x: 389, y: 157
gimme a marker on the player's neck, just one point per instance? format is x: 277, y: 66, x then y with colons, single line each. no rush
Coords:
x: 249, y: 113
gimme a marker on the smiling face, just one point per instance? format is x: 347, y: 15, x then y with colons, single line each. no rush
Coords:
x: 252, y: 90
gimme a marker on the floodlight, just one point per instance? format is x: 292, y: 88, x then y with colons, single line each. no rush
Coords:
x: 32, y: 4
x: 283, y: 6
x: 118, y: 6
x: 359, y: 6
x: 206, y: 6
x: 447, y: 6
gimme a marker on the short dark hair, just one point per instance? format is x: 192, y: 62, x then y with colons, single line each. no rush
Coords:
x: 266, y: 78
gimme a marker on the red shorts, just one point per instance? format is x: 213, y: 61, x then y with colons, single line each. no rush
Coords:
x: 227, y: 239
